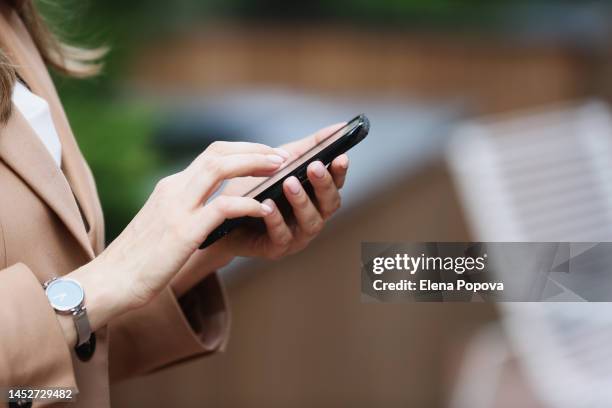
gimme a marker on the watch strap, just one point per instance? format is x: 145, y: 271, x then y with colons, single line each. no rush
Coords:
x: 86, y: 350
x: 81, y: 323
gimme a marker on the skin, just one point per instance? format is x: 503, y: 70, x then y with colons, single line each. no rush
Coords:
x: 160, y: 245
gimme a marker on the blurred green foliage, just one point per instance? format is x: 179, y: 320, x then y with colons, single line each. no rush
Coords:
x: 114, y: 137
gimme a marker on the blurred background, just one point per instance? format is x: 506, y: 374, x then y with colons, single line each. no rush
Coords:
x: 489, y: 122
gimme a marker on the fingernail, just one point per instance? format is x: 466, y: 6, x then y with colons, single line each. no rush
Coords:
x: 268, y: 202
x: 267, y: 210
x: 294, y: 185
x: 345, y: 163
x: 318, y: 169
x: 283, y: 153
x: 275, y: 159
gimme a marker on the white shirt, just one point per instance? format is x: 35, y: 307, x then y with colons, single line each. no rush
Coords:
x: 36, y: 111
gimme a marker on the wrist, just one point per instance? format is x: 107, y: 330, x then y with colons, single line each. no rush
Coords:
x: 68, y: 328
x: 104, y: 297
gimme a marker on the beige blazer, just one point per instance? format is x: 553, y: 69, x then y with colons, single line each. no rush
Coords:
x: 42, y: 235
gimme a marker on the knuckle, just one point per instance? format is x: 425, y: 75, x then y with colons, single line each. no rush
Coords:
x: 216, y: 146
x: 336, y: 204
x: 224, y: 205
x: 277, y: 222
x: 279, y: 225
x: 315, y: 227
x: 164, y: 184
x: 260, y: 147
x: 302, y: 202
x: 329, y: 210
x: 328, y: 184
x: 212, y: 165
x: 327, y: 213
x: 284, y: 240
x: 220, y: 204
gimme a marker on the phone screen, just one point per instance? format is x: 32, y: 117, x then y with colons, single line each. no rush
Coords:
x: 285, y: 171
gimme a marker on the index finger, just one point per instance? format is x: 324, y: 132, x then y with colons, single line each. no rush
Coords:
x: 226, y: 148
x: 213, y: 170
x: 301, y: 146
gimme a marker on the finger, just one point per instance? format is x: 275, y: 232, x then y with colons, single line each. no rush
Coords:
x: 308, y: 219
x: 224, y: 208
x: 225, y: 148
x: 231, y: 148
x: 279, y: 232
x: 328, y: 197
x: 338, y: 169
x: 215, y: 169
x: 301, y: 146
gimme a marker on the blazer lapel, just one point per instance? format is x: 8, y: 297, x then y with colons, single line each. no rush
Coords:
x: 73, y: 164
x: 21, y: 149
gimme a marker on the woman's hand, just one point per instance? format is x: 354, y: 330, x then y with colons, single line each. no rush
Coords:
x: 284, y: 238
x: 281, y: 238
x: 175, y: 220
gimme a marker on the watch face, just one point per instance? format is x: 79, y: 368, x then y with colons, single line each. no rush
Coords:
x: 65, y: 294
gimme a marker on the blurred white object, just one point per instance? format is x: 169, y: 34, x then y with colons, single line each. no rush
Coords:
x: 546, y: 177
x: 480, y: 376
x: 542, y: 176
x: 565, y: 349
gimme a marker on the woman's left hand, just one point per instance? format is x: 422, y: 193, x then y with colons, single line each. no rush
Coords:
x: 280, y: 238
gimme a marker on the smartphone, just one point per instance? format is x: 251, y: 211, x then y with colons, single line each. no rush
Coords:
x: 338, y: 143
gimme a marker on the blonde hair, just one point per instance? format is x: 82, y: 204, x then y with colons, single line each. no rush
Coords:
x: 63, y: 58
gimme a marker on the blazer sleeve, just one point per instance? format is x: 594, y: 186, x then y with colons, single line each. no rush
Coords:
x: 33, y: 349
x: 168, y: 330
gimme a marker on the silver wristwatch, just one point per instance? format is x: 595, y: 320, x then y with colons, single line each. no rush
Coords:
x: 68, y: 297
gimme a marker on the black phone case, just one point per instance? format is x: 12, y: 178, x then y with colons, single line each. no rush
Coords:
x: 275, y: 192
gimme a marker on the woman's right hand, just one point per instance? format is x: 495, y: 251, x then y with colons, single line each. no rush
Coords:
x: 175, y: 220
